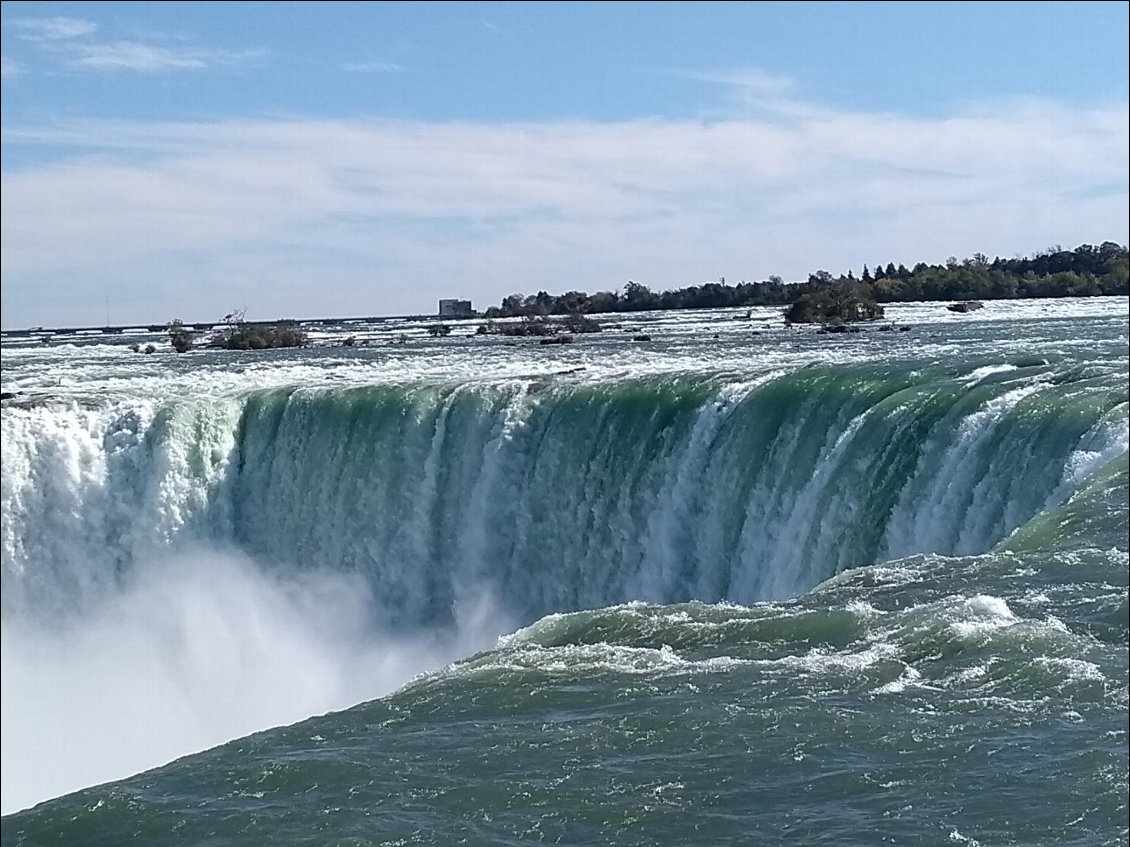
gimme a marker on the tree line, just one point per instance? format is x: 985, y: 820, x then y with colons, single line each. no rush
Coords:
x: 1085, y: 271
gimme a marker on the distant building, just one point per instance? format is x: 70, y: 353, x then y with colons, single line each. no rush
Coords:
x: 456, y: 309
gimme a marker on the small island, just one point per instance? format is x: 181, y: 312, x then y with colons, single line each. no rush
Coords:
x: 235, y: 333
x: 835, y: 305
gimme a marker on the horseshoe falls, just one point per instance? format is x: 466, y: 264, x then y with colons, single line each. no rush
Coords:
x: 737, y: 584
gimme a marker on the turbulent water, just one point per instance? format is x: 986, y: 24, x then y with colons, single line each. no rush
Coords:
x: 737, y: 584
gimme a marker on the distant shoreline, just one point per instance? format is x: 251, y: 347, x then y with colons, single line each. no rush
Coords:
x: 1086, y: 271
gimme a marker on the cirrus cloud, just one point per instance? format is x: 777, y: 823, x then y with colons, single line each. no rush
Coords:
x: 139, y: 56
x: 57, y: 28
x: 10, y: 68
x: 69, y: 42
x: 372, y: 67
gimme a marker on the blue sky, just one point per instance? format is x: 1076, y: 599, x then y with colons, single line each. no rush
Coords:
x: 185, y: 159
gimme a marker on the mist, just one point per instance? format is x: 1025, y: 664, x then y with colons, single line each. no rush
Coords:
x: 194, y: 650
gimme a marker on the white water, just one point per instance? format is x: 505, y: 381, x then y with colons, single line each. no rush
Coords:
x: 684, y: 342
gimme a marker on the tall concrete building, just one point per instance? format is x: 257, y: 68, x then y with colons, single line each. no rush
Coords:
x: 456, y: 309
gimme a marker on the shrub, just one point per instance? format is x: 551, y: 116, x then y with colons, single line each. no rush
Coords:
x: 578, y: 323
x: 835, y: 304
x: 180, y: 336
x: 249, y: 336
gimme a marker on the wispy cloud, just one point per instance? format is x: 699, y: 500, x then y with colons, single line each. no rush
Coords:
x: 372, y: 67
x: 753, y: 82
x: 139, y: 56
x: 9, y: 68
x: 358, y: 207
x: 53, y: 29
x: 754, y: 91
x: 70, y: 42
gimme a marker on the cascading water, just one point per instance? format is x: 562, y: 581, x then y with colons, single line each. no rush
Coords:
x: 553, y: 495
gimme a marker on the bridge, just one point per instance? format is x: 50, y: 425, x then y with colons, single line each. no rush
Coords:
x: 204, y: 326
